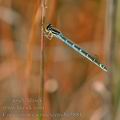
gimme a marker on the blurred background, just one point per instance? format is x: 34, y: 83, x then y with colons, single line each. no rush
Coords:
x: 42, y: 76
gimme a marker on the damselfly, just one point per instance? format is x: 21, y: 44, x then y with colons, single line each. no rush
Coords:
x: 52, y: 31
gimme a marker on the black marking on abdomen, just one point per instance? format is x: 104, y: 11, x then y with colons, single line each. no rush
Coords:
x: 96, y: 61
x: 69, y: 42
x: 63, y: 38
x: 85, y: 53
x: 77, y: 47
x: 91, y: 57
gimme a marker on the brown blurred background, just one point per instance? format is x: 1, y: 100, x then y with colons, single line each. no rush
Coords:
x: 73, y: 87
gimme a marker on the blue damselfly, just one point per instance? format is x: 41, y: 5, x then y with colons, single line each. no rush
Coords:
x: 52, y: 31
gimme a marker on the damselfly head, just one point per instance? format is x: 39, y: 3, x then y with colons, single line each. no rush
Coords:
x: 49, y: 27
x: 53, y: 30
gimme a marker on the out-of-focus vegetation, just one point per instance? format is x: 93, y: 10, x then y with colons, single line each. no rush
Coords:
x: 71, y: 83
x: 116, y: 63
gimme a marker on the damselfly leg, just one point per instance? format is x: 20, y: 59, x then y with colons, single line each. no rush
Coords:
x: 48, y: 34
